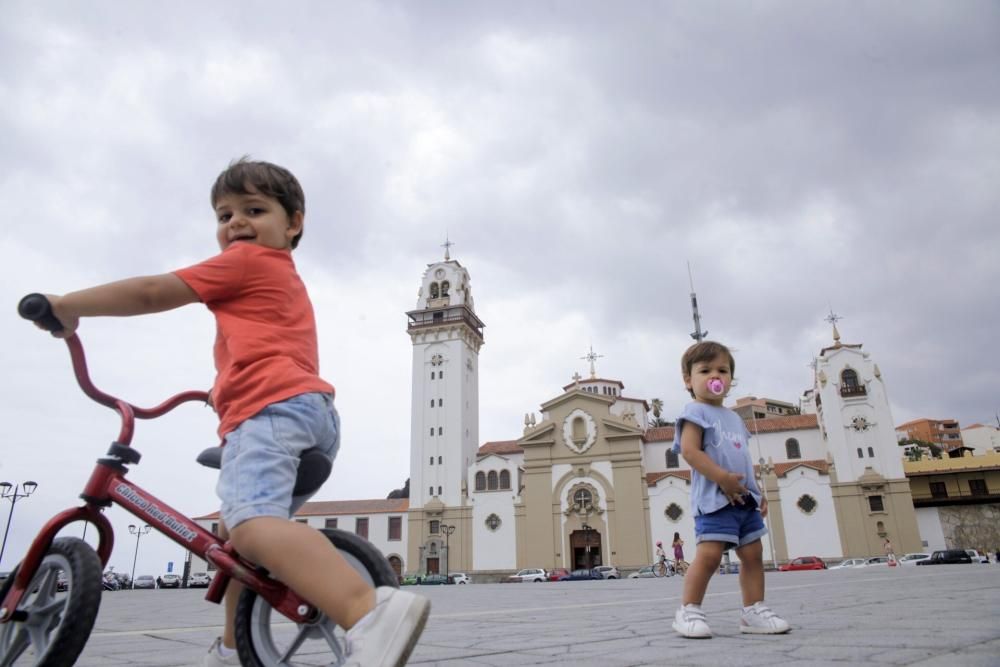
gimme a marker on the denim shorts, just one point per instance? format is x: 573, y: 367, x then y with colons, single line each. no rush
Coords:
x: 736, y: 525
x: 260, y: 458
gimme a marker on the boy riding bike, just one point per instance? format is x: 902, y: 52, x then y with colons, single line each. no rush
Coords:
x: 272, y: 406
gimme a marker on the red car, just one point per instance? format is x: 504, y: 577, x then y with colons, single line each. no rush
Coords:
x: 558, y: 573
x: 803, y: 563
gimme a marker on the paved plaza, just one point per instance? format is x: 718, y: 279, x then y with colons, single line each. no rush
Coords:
x: 943, y: 615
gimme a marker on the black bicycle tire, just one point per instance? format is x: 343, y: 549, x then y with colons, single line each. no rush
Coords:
x: 371, y: 559
x: 83, y: 601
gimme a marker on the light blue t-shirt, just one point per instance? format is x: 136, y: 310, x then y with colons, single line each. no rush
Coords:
x: 726, y: 441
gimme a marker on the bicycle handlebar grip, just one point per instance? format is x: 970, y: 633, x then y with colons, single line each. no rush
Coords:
x: 36, y: 308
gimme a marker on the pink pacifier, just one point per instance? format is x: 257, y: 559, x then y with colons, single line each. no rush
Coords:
x: 716, y: 386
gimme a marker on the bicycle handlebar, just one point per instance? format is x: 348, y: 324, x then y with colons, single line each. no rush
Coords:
x: 36, y: 308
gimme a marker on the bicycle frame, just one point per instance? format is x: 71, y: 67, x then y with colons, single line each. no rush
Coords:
x: 107, y: 485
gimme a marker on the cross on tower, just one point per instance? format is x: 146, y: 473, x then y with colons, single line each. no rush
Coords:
x: 833, y: 318
x: 592, y: 357
x: 447, y: 247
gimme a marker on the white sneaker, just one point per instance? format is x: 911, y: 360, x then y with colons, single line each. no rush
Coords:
x: 387, y: 634
x: 759, y: 619
x: 690, y: 621
x: 213, y: 659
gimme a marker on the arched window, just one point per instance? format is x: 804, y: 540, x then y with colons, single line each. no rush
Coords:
x: 792, y: 450
x: 504, y: 479
x: 861, y: 454
x: 871, y: 452
x: 583, y: 498
x: 491, y: 481
x: 579, y: 431
x: 849, y: 384
x: 480, y: 481
x: 673, y: 461
x: 444, y: 288
x: 434, y: 290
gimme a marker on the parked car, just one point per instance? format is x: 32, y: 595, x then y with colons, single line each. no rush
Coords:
x: 977, y: 557
x: 434, y: 580
x: 876, y: 560
x: 199, y: 580
x: 62, y: 583
x: 144, y: 581
x: 947, y: 557
x: 585, y: 574
x: 913, y: 558
x: 170, y: 581
x: 410, y: 580
x: 533, y: 575
x: 558, y: 573
x: 608, y: 571
x: 643, y: 573
x: 803, y: 563
x: 460, y: 578
x: 848, y: 563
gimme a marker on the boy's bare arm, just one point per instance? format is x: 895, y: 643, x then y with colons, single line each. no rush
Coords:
x: 133, y: 296
x: 731, y: 483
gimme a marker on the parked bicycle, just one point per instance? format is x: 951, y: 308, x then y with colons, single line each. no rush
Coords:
x: 49, y: 628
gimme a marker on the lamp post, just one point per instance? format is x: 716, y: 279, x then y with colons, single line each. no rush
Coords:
x: 447, y: 530
x: 22, y: 490
x: 138, y: 532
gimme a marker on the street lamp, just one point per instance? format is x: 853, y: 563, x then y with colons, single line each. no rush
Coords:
x: 447, y: 530
x: 138, y: 532
x: 22, y: 490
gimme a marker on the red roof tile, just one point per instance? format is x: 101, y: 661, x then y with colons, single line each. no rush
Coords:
x: 782, y: 469
x: 788, y: 423
x: 500, y: 447
x: 653, y: 477
x: 660, y: 434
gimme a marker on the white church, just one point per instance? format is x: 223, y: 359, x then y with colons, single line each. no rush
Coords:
x: 590, y: 481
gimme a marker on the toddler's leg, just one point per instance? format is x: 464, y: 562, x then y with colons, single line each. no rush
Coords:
x: 294, y: 554
x: 706, y: 562
x: 757, y: 617
x: 751, y: 572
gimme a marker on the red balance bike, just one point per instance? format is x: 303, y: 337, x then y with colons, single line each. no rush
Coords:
x: 42, y: 625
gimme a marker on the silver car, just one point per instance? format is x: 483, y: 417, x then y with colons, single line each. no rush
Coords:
x: 608, y: 571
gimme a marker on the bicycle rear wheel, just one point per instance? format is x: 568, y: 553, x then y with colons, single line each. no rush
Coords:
x: 266, y: 638
x: 54, y: 624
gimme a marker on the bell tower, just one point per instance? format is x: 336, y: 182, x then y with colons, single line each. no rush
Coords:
x: 870, y: 489
x: 444, y: 420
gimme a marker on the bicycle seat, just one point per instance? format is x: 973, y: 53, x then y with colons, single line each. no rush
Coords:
x: 314, y: 468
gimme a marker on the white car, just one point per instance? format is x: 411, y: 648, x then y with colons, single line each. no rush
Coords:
x: 460, y: 578
x: 645, y: 572
x: 977, y: 557
x: 876, y: 560
x: 608, y: 571
x: 913, y: 558
x: 848, y: 563
x: 528, y: 574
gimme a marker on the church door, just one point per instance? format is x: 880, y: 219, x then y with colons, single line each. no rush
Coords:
x: 586, y: 545
x: 432, y: 566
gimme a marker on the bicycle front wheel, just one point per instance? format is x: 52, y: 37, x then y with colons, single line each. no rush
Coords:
x: 58, y: 610
x: 265, y: 638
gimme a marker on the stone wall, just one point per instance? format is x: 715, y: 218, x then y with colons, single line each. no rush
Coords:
x: 971, y: 526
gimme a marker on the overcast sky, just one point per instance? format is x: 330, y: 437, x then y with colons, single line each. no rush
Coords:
x: 802, y: 157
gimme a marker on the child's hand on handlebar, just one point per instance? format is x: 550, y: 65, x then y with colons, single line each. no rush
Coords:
x: 69, y: 321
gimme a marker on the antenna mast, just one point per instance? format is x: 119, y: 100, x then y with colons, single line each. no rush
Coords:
x: 698, y: 334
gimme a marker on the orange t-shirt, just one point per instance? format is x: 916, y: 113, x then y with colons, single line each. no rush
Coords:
x: 265, y: 342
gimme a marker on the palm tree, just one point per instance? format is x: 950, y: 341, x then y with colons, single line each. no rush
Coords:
x: 657, y: 411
